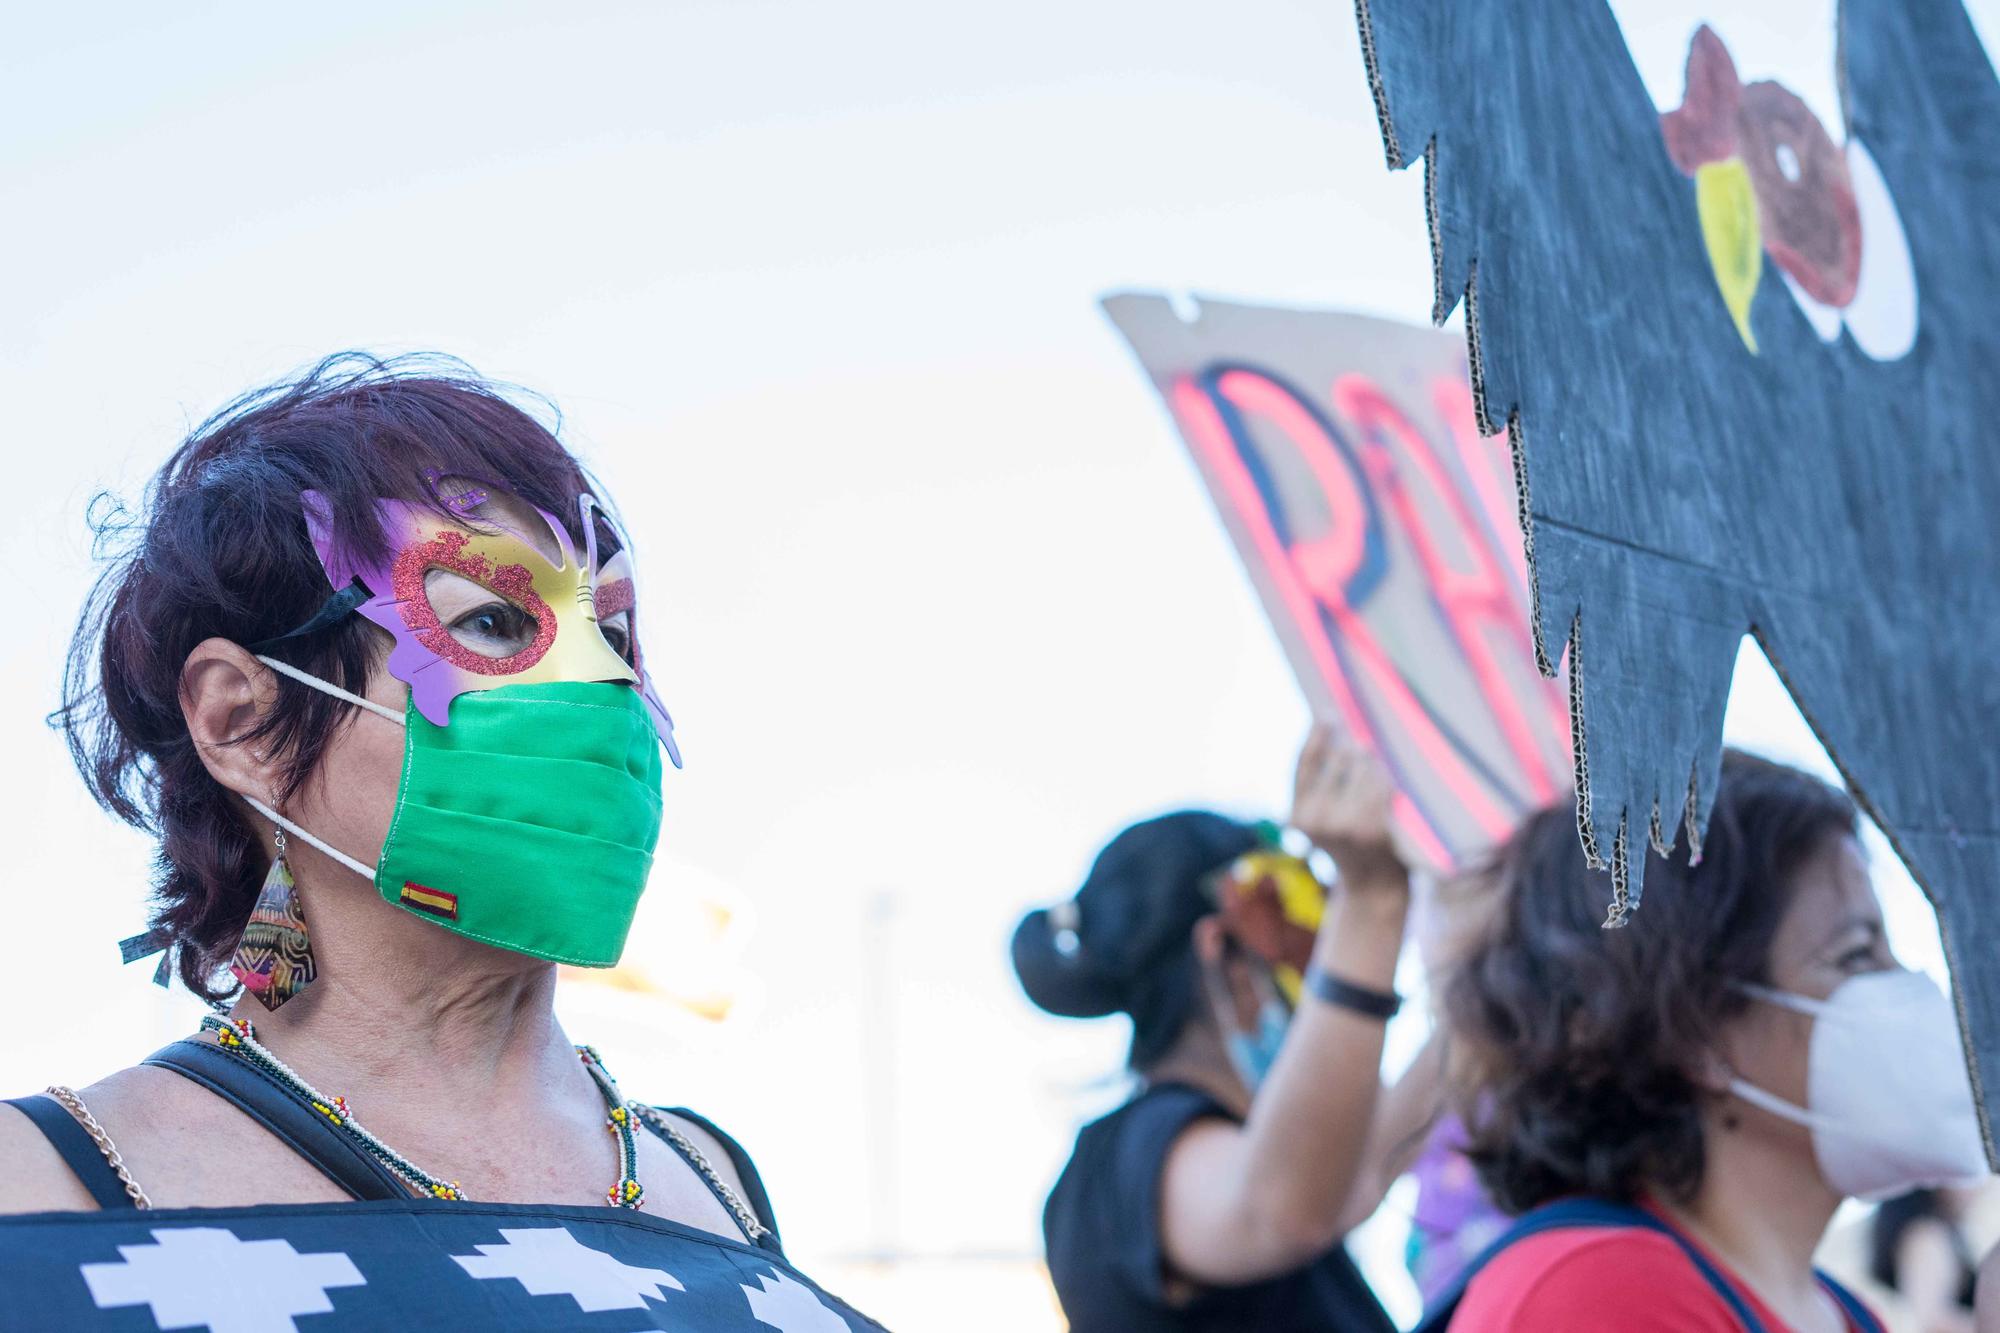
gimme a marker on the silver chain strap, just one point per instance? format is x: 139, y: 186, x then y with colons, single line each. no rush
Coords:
x: 745, y: 1218
x: 69, y: 1101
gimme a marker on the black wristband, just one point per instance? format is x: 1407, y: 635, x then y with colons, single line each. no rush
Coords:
x: 1323, y: 985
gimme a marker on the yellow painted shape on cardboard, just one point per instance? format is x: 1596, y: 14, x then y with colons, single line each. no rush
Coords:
x: 1727, y: 206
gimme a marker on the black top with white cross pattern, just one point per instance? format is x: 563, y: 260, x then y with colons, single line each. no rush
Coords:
x: 398, y: 1264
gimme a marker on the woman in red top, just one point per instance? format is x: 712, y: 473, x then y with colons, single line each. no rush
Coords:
x: 1679, y: 1106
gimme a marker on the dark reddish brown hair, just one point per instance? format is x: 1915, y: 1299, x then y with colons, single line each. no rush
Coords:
x: 218, y: 549
x: 1575, y: 1046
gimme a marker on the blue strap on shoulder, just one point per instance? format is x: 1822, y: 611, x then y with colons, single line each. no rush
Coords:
x: 1587, y: 1212
x: 1850, y: 1304
x: 1582, y: 1212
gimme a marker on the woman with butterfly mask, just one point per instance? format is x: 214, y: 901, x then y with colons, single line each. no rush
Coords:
x: 370, y: 667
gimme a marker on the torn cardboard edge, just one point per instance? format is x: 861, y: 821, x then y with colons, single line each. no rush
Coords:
x: 1626, y: 890
x: 1626, y: 893
x: 1365, y: 22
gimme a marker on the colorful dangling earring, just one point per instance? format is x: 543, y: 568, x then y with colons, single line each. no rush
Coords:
x: 274, y: 959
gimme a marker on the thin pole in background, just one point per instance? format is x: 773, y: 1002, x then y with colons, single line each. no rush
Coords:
x: 882, y: 1063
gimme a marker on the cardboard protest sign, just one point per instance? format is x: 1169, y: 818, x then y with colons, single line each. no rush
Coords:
x: 1747, y: 358
x: 1381, y: 531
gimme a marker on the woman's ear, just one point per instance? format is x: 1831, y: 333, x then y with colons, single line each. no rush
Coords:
x: 1208, y: 940
x: 1711, y: 1072
x: 225, y: 694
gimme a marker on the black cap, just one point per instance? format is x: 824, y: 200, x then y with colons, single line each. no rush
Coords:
x: 1124, y: 943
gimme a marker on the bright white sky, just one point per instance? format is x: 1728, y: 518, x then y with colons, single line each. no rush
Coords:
x: 938, y: 602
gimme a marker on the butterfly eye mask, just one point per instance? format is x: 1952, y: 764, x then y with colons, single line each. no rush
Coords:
x: 567, y: 599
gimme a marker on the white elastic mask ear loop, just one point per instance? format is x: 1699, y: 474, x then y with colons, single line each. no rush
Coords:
x: 1777, y: 1105
x: 1784, y: 999
x: 324, y: 687
x: 365, y: 871
x: 1757, y: 1096
x: 328, y: 687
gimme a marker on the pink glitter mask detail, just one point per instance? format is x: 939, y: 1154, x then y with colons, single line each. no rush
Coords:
x: 613, y: 597
x: 565, y: 599
x: 514, y: 582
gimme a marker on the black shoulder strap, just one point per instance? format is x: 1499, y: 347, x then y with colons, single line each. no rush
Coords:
x: 77, y: 1149
x: 746, y: 1170
x: 1584, y: 1212
x: 275, y: 1107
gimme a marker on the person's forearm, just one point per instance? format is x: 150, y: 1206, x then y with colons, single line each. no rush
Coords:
x: 1308, y: 1129
x: 1403, y: 1120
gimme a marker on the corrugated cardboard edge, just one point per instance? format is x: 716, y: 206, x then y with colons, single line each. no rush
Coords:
x: 1625, y: 898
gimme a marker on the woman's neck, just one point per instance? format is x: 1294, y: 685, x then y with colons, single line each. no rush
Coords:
x: 1763, y: 1208
x: 1198, y: 1060
x: 403, y: 1012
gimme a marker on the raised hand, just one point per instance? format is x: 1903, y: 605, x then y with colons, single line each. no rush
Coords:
x: 1341, y: 798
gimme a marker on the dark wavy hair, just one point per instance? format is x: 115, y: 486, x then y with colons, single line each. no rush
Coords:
x: 1575, y: 1047
x: 219, y: 549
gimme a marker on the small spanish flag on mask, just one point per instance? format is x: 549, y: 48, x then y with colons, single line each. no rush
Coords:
x: 432, y: 902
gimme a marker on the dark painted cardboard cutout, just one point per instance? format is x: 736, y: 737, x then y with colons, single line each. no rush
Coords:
x: 1750, y: 380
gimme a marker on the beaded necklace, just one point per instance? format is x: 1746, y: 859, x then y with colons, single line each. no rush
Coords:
x: 240, y: 1038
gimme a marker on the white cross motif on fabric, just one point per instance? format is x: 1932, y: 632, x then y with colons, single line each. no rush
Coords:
x: 204, y: 1277
x: 791, y: 1307
x: 548, y: 1261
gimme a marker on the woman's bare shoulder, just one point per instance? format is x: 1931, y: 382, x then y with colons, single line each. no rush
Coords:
x: 710, y: 1147
x: 33, y: 1176
x: 182, y: 1145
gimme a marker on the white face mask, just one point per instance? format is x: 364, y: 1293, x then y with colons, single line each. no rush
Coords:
x: 1887, y: 1097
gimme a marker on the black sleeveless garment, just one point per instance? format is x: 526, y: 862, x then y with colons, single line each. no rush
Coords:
x: 387, y: 1260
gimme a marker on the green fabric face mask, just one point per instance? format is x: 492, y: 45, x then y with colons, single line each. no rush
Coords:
x: 529, y: 822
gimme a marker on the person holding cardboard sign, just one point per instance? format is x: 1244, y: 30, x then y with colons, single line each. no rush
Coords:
x: 1217, y: 1198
